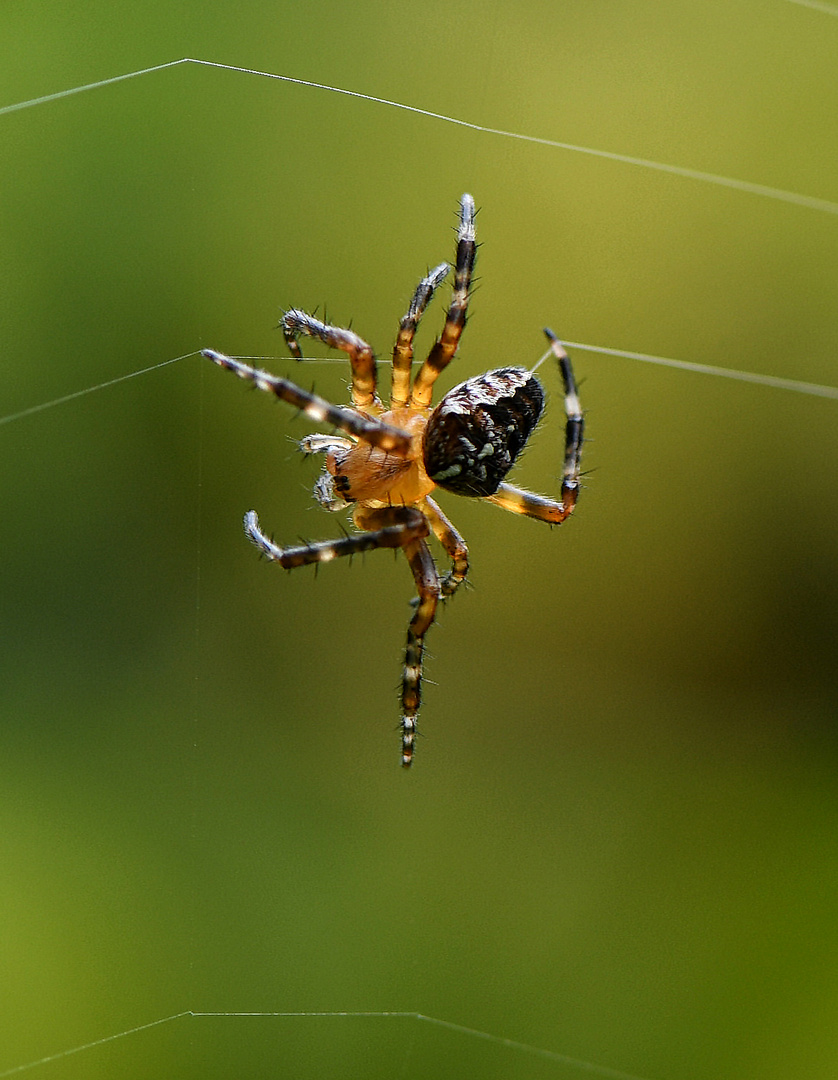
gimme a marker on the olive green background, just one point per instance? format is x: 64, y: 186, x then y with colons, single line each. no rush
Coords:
x: 618, y: 841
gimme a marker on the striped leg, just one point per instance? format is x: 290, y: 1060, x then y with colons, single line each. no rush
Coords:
x: 442, y: 352
x: 403, y: 349
x: 414, y: 529
x: 454, y: 545
x: 574, y: 429
x: 427, y: 586
x: 361, y: 357
x: 391, y: 528
x: 373, y: 431
x: 536, y: 506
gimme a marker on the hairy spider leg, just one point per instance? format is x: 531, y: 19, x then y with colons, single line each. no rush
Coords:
x: 444, y: 349
x: 575, y: 428
x: 453, y: 543
x: 399, y: 529
x: 520, y: 501
x: 392, y: 527
x: 428, y: 588
x: 375, y: 432
x: 403, y: 349
x: 361, y: 357
x: 415, y: 528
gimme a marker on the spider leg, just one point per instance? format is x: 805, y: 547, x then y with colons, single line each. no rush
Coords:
x: 444, y: 349
x: 403, y: 349
x: 418, y: 554
x: 428, y: 587
x: 373, y: 431
x: 361, y: 357
x: 454, y: 545
x: 394, y: 527
x: 520, y: 501
x: 402, y: 525
x: 575, y: 427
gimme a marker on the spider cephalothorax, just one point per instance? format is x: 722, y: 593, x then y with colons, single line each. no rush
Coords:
x: 387, y: 461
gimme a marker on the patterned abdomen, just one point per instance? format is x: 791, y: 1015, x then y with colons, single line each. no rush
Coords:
x: 479, y: 428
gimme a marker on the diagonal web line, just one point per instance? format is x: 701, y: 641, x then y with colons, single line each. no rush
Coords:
x: 89, y: 1046
x: 827, y: 9
x: 777, y: 381
x: 797, y: 386
x: 89, y: 390
x: 498, y: 1040
x: 88, y: 86
x: 747, y: 186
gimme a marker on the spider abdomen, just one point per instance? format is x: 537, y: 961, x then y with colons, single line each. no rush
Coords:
x: 479, y: 428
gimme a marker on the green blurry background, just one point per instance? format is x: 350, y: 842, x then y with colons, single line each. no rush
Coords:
x: 618, y: 841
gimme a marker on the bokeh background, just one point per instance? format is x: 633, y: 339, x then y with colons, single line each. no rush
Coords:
x: 618, y: 841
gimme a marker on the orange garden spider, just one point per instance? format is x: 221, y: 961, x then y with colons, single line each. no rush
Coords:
x: 389, y: 460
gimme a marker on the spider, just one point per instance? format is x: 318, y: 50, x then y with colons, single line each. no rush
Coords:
x: 386, y: 461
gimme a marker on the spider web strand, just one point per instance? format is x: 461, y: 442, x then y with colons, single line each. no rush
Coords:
x: 89, y: 1046
x: 747, y: 186
x: 89, y: 86
x: 90, y: 390
x: 793, y: 385
x: 497, y: 1040
x: 814, y: 389
x: 827, y: 9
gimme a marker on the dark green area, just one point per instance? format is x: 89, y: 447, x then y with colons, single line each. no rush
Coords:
x: 618, y: 841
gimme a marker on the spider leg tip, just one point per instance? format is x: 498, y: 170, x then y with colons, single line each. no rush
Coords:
x: 558, y: 349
